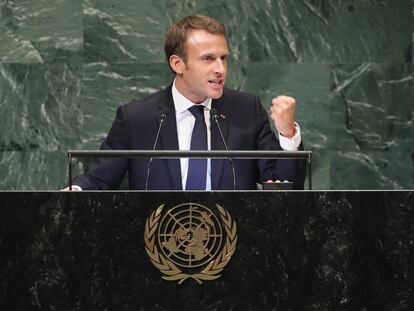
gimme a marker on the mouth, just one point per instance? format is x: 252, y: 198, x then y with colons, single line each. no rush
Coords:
x: 216, y: 83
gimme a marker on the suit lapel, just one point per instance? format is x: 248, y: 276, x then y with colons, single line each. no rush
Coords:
x: 168, y: 136
x: 217, y: 142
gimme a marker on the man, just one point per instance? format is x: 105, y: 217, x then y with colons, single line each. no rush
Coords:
x: 197, y: 53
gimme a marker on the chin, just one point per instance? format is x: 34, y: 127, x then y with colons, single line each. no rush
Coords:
x: 216, y: 95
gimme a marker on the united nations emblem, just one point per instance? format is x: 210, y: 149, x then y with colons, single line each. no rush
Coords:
x: 190, y: 241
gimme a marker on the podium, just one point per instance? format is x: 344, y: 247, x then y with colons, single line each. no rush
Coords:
x: 298, y: 250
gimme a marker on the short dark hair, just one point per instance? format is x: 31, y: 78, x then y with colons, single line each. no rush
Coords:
x: 176, y: 35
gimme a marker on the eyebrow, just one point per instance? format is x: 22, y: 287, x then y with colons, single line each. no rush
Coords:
x: 214, y: 55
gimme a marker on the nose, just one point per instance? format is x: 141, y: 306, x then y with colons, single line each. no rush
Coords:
x: 220, y: 66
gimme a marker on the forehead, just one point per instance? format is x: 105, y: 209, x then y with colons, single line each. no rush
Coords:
x: 201, y: 41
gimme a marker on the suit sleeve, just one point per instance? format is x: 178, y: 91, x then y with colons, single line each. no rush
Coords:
x: 280, y: 169
x: 106, y: 173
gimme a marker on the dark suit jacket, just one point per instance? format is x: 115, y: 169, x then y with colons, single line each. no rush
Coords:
x: 245, y: 126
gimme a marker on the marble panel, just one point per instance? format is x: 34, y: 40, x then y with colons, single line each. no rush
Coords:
x: 127, y: 32
x: 330, y: 31
x: 124, y: 31
x: 372, y: 107
x: 307, y: 83
x: 40, y: 107
x: 40, y: 118
x: 371, y: 169
x: 288, y: 30
x: 107, y: 86
x: 41, y: 31
x: 35, y: 169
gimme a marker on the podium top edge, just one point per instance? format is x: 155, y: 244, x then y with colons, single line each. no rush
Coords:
x: 253, y: 154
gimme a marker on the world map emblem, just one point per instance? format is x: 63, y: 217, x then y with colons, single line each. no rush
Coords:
x: 190, y: 241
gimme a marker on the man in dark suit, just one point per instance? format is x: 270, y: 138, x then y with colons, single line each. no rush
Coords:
x: 197, y: 52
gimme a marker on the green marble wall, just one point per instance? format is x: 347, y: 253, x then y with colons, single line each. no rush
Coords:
x: 66, y: 65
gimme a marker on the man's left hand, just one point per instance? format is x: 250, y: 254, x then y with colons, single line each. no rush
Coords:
x: 283, y: 115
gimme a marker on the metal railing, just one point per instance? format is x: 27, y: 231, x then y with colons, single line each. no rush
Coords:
x: 176, y: 154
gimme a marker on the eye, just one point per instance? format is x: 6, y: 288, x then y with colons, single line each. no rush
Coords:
x: 208, y: 58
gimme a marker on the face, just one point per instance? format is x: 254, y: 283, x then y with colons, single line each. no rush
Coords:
x: 204, y: 73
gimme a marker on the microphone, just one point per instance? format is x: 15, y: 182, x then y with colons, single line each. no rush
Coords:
x: 162, y: 118
x: 214, y: 116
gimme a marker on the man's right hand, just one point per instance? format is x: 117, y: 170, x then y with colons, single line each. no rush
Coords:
x: 283, y: 115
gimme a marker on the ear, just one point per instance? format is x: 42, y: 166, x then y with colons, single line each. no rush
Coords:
x: 177, y: 64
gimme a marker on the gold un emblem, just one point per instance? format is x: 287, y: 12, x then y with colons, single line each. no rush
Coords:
x: 190, y: 241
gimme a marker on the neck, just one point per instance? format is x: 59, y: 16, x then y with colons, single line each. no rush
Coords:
x: 181, y: 87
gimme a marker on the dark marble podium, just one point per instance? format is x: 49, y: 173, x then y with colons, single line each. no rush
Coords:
x: 296, y: 251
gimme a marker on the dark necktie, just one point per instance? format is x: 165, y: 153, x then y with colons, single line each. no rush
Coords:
x: 197, y: 168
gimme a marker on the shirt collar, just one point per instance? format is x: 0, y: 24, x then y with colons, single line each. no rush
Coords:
x: 181, y: 103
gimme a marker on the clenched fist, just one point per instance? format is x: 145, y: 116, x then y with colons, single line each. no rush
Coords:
x: 283, y: 115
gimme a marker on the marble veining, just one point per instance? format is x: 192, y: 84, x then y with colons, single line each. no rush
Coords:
x: 65, y: 67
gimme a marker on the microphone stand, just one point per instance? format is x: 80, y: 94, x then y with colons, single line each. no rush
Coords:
x: 162, y: 118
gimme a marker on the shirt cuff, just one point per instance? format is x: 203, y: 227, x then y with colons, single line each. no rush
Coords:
x: 291, y: 144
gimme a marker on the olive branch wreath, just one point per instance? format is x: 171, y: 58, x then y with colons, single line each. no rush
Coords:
x: 170, y: 270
